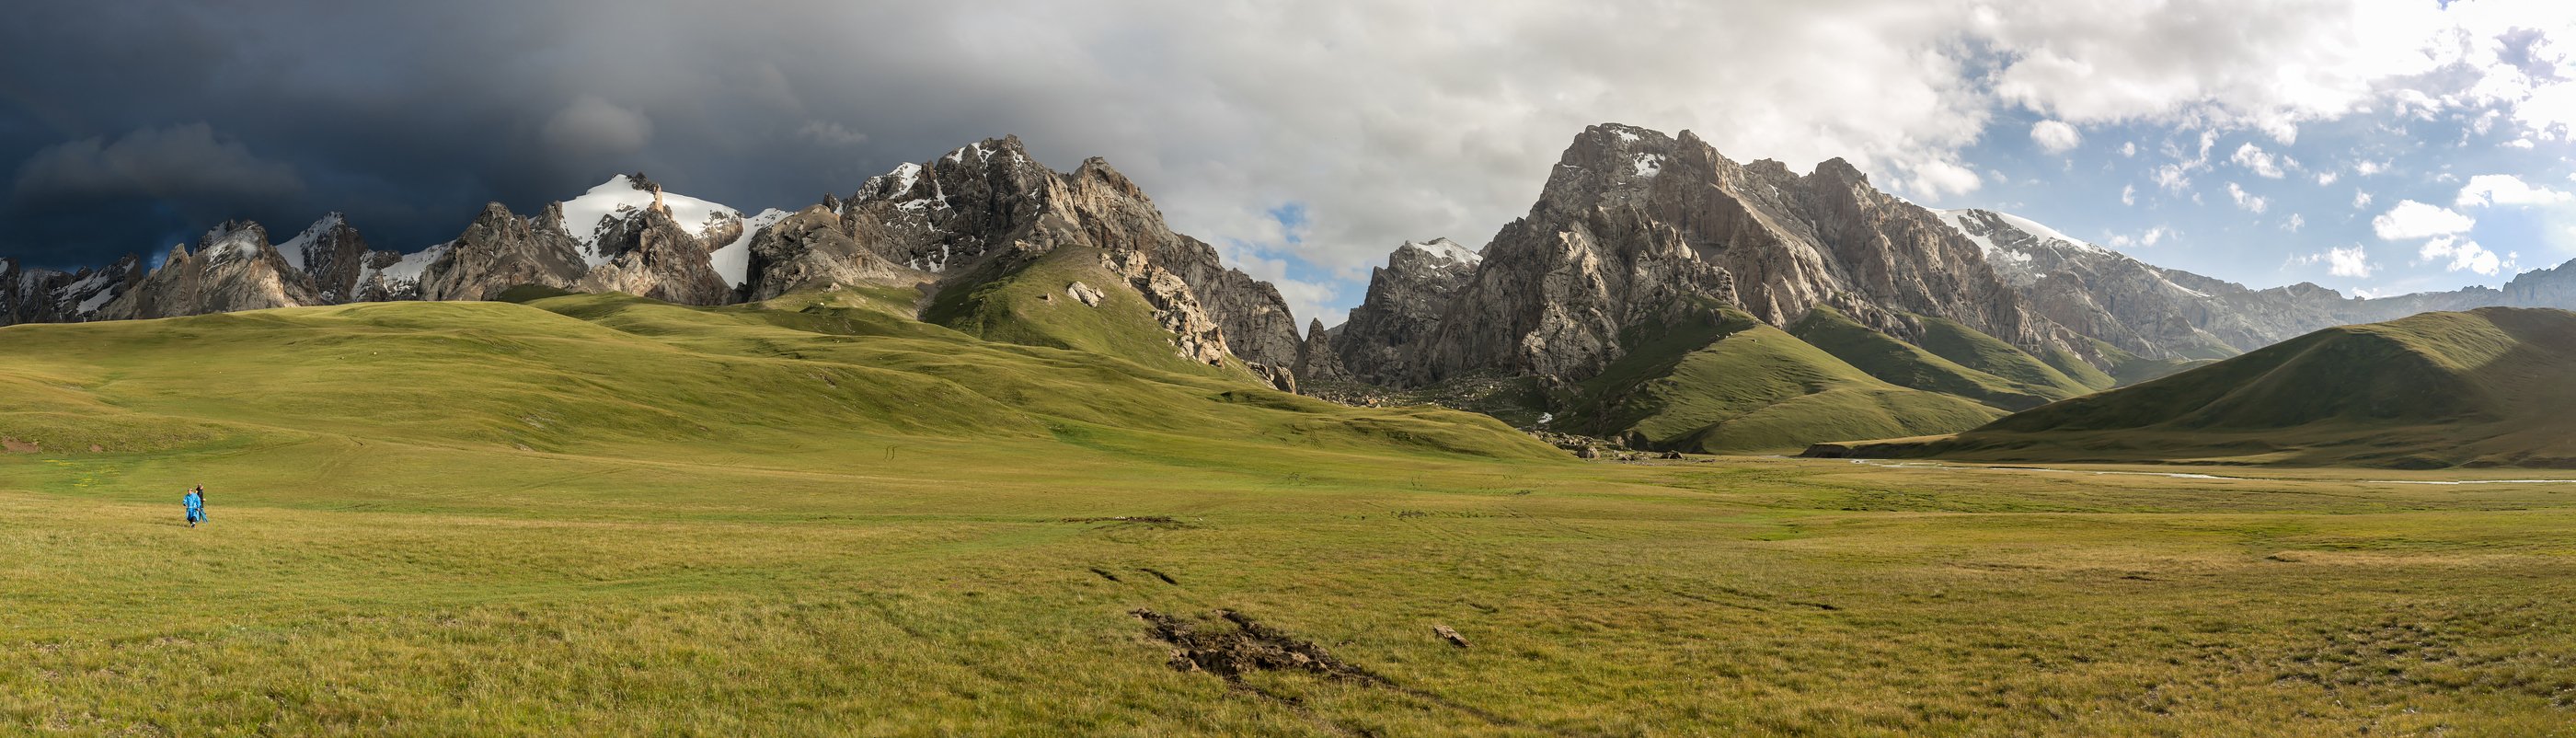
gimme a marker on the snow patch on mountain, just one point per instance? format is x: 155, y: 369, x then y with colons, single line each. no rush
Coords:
x: 1447, y: 250
x: 733, y: 261
x: 1649, y: 165
x: 891, y: 183
x: 89, y: 293
x: 231, y: 241
x: 617, y: 199
x: 295, y: 249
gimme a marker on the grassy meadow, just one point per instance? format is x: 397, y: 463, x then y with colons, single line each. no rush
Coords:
x: 597, y: 516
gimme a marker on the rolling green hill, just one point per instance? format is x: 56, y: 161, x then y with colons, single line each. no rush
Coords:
x: 1906, y: 365
x: 2489, y: 387
x: 2129, y: 368
x: 613, y: 374
x: 1967, y: 347
x: 1718, y: 379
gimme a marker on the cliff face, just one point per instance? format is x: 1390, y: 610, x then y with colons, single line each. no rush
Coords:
x: 1385, y: 339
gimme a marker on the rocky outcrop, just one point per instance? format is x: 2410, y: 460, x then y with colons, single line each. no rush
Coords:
x: 500, y: 250
x: 1317, y: 361
x: 235, y: 268
x: 1086, y: 294
x: 1176, y: 307
x: 810, y: 248
x: 1385, y: 338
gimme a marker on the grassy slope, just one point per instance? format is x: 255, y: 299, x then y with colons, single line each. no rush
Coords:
x: 1026, y: 303
x: 1958, y: 343
x: 605, y: 372
x: 2487, y: 387
x: 1906, y: 365
x: 1720, y: 380
x: 2128, y: 368
x: 2083, y: 373
x: 383, y: 561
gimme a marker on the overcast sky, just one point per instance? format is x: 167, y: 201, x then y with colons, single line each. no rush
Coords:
x: 2380, y: 146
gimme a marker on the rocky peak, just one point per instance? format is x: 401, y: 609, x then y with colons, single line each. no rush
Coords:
x: 1386, y: 339
x: 233, y: 240
x: 1607, y: 164
x: 234, y: 269
x: 1836, y: 170
x: 331, y: 254
x: 500, y: 250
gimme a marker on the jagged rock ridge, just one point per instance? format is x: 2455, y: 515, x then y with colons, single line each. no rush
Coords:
x: 929, y: 224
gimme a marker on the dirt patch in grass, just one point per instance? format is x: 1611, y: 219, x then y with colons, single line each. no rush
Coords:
x: 1251, y: 646
x: 1139, y: 521
x: 16, y: 446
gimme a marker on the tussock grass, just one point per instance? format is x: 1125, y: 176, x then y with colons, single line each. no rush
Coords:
x: 703, y: 538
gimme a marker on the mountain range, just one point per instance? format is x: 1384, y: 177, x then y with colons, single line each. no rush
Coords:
x: 1656, y: 292
x: 1648, y: 260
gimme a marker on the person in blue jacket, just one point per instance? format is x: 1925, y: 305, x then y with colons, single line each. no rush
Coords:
x: 196, y: 502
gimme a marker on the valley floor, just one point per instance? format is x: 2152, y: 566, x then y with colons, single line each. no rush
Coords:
x: 425, y: 590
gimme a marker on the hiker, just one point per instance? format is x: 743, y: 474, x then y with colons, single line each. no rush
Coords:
x: 196, y: 502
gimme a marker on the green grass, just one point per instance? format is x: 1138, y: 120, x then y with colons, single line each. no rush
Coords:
x: 1969, y: 348
x: 2129, y: 368
x: 1720, y: 380
x: 2082, y: 372
x: 703, y: 538
x: 2490, y: 387
x: 1906, y: 365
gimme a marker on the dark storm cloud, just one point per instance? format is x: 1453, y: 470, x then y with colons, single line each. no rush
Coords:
x: 1379, y: 121
x: 179, y: 162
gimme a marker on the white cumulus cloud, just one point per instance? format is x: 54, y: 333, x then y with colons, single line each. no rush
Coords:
x: 2255, y: 159
x: 2251, y: 202
x: 2412, y: 220
x: 2506, y: 189
x: 2348, y: 262
x: 2054, y: 136
x: 2464, y: 255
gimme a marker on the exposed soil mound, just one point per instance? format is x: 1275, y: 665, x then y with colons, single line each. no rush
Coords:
x: 1250, y: 646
